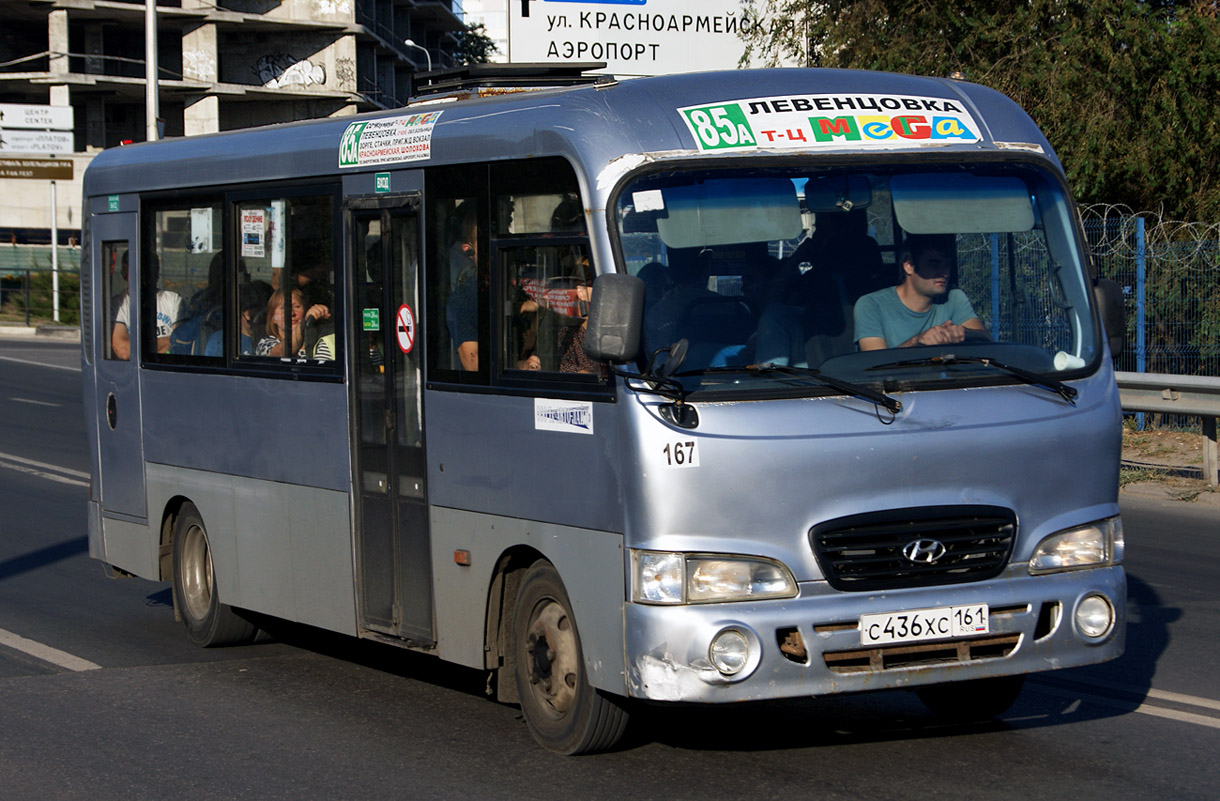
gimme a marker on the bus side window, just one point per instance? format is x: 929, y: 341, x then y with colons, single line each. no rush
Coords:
x: 546, y: 291
x: 184, y: 281
x: 285, y: 303
x: 457, y: 275
x: 114, y: 292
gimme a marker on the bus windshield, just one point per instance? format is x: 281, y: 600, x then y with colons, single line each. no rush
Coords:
x: 907, y: 277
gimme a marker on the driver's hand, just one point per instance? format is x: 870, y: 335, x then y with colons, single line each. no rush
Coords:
x: 944, y: 334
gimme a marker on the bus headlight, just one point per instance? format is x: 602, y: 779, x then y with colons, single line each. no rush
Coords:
x: 660, y: 577
x: 1095, y: 545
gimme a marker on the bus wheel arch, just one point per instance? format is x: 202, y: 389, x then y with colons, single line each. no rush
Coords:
x: 501, y: 600
x: 208, y: 621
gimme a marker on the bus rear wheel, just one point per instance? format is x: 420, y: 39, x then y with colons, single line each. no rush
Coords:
x: 564, y: 712
x: 209, y: 623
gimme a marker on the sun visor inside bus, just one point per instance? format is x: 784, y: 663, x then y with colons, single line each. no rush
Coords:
x: 962, y: 204
x: 724, y: 212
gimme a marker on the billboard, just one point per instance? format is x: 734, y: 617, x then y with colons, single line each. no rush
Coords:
x: 633, y: 37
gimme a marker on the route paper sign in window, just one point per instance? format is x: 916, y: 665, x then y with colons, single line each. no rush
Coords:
x: 816, y: 121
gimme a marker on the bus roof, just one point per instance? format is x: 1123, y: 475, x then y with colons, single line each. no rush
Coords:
x: 792, y: 111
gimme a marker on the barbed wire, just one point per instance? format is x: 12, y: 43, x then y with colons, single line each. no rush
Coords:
x: 1111, y: 230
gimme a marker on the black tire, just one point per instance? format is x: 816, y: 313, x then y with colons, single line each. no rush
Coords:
x: 563, y: 711
x: 209, y: 623
x: 971, y: 701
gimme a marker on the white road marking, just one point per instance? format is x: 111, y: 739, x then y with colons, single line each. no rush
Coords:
x: 1145, y: 708
x: 46, y: 653
x: 44, y: 470
x: 39, y: 364
x: 36, y: 403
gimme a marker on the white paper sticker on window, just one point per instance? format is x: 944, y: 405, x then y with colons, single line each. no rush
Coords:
x: 648, y: 200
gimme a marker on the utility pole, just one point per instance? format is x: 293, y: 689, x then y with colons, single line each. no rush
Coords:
x: 152, y: 108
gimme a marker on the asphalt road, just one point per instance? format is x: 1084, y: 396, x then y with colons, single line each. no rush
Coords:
x: 101, y: 697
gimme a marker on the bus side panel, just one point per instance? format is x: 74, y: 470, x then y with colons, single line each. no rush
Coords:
x: 589, y: 562
x: 130, y: 546
x: 495, y: 454
x: 270, y: 460
x: 291, y: 431
x: 281, y: 549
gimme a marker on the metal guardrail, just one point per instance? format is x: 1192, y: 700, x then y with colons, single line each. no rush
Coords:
x: 1196, y: 396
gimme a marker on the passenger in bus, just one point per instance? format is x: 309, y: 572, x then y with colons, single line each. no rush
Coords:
x: 808, y: 316
x: 572, y: 339
x: 324, y: 350
x: 169, y: 313
x: 253, y: 302
x: 273, y: 343
x: 923, y: 309
x: 465, y: 277
x: 314, y: 283
x: 688, y: 268
x: 203, y: 314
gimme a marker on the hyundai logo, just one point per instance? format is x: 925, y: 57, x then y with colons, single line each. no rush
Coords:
x: 924, y: 551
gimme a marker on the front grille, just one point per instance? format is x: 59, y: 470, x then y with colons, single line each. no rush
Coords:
x: 892, y: 657
x: 864, y: 553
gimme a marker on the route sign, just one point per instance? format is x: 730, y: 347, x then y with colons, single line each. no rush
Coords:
x: 48, y: 142
x: 35, y: 118
x: 36, y: 168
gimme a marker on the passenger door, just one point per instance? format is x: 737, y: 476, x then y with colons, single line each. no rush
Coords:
x: 394, y: 571
x: 115, y: 240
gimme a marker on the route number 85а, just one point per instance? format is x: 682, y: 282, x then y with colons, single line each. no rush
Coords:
x: 680, y: 454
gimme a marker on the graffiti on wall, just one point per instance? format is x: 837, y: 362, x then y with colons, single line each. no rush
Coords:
x: 280, y: 70
x: 345, y: 71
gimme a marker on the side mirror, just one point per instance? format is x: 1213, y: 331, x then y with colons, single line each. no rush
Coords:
x: 616, y: 314
x: 1109, y: 297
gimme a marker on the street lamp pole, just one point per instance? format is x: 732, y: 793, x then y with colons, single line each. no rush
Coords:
x: 410, y: 43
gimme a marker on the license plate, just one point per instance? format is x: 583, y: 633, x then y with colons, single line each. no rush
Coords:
x: 917, y: 625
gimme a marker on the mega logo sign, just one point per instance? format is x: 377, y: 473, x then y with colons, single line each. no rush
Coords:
x: 829, y: 121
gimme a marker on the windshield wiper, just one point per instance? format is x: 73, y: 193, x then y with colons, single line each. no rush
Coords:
x: 893, y: 405
x: 1051, y: 384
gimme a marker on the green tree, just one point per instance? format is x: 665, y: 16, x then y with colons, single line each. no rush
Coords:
x: 1125, y: 90
x: 474, y: 46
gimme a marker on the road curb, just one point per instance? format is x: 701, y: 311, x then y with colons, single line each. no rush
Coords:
x: 10, y: 331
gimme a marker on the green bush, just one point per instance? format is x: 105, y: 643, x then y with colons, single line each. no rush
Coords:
x: 41, y: 302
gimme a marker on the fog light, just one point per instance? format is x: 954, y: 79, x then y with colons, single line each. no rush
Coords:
x: 729, y: 652
x: 1094, y: 616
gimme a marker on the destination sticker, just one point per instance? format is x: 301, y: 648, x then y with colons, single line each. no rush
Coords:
x: 573, y: 417
x: 388, y: 141
x: 826, y: 121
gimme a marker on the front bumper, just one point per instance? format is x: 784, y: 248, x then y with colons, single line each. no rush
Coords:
x: 810, y: 645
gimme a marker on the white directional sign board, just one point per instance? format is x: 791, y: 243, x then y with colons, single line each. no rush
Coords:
x: 633, y: 37
x: 35, y: 118
x: 42, y: 142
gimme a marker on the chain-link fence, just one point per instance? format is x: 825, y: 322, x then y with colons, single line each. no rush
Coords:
x: 1169, y: 272
x: 1170, y: 275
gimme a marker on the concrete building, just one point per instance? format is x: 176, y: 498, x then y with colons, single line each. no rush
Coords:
x: 223, y: 64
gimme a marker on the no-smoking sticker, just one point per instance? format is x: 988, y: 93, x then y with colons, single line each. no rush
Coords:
x: 404, y: 327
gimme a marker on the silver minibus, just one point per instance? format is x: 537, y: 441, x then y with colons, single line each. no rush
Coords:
x: 702, y: 388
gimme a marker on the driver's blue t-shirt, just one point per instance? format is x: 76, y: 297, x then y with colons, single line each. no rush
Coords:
x: 883, y: 314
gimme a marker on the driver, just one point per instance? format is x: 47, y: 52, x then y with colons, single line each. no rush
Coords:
x: 922, y: 310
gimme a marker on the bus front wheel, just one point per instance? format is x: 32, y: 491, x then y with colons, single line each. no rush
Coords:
x: 209, y: 623
x: 564, y: 712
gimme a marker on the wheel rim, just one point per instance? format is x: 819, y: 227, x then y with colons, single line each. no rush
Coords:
x: 196, y: 573
x: 552, y: 658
